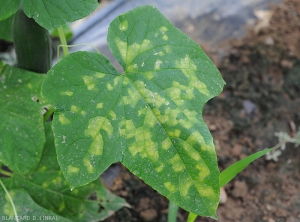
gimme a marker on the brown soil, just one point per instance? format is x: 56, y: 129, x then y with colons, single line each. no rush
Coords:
x: 261, y: 97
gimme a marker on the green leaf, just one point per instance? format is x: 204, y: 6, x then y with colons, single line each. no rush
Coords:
x: 52, y: 14
x: 21, y: 129
x: 149, y: 118
x: 48, y: 188
x: 26, y: 208
x: 5, y: 29
x: 8, y: 8
x: 230, y: 172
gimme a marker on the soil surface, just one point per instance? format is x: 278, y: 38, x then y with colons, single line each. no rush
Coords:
x: 261, y: 97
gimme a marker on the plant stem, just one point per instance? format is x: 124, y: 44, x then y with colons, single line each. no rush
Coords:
x: 63, y: 41
x: 173, y: 210
x: 192, y: 217
x: 11, y: 201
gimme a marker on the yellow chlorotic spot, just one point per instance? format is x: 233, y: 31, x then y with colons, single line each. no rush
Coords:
x: 165, y: 119
x: 91, y: 86
x: 42, y: 169
x: 83, y: 113
x: 130, y: 129
x: 132, y: 68
x: 143, y: 144
x: 204, y: 190
x: 151, y: 149
x: 195, y: 83
x: 190, y: 114
x: 166, y: 144
x: 74, y: 109
x: 156, y: 111
x: 195, y: 138
x: 89, y: 82
x: 63, y: 119
x: 179, y: 102
x: 66, y: 93
x: 177, y: 164
x: 112, y: 114
x: 96, y: 148
x: 97, y: 123
x: 203, y: 171
x: 88, y: 165
x: 99, y: 105
x: 160, y: 168
x: 135, y: 149
x: 29, y: 85
x: 191, y: 151
x: 45, y: 185
x: 148, y: 75
x: 165, y: 37
x: 173, y: 93
x: 99, y: 75
x: 116, y: 81
x: 163, y: 29
x: 189, y: 93
x: 122, y: 47
x: 186, y: 124
x: 142, y: 111
x: 159, y: 53
x: 184, y: 187
x: 170, y: 187
x: 56, y: 180
x: 62, y: 206
x: 157, y: 64
x: 150, y: 119
x: 132, y: 98
x: 72, y: 169
x: 139, y: 85
x: 175, y: 133
x: 109, y: 86
x: 7, y: 208
x: 123, y: 25
x: 75, y: 191
x: 122, y: 126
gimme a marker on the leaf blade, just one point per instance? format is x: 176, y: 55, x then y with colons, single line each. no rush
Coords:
x: 22, y: 123
x: 150, y: 119
x: 26, y: 208
x: 52, y: 14
x: 48, y: 188
x: 8, y: 8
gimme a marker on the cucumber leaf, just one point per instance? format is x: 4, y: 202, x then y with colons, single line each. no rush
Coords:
x: 149, y: 117
x: 8, y: 8
x: 48, y: 188
x: 52, y: 14
x: 26, y: 208
x: 5, y: 29
x: 21, y: 129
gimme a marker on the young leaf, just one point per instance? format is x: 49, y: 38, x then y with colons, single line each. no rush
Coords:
x: 21, y: 129
x: 230, y: 172
x: 52, y: 14
x: 48, y: 188
x: 8, y: 8
x: 26, y: 208
x: 149, y: 118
